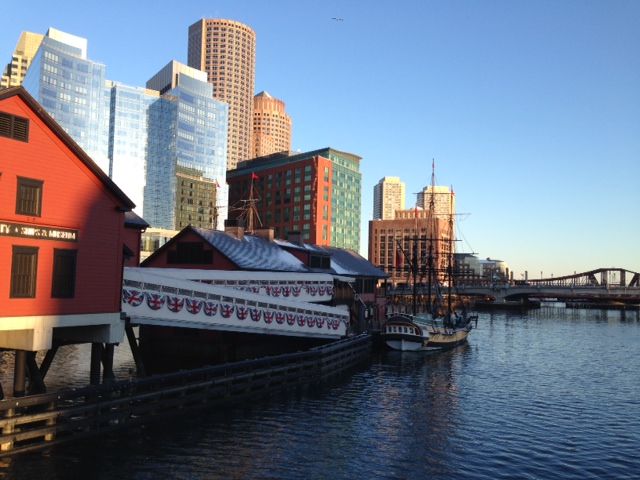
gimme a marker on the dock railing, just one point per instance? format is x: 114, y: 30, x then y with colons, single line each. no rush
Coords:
x: 41, y: 421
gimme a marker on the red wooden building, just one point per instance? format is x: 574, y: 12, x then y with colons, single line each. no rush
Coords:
x: 62, y: 233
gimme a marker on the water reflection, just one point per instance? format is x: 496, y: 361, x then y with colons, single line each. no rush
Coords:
x: 552, y: 393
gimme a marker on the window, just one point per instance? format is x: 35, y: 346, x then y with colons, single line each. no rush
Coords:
x: 64, y: 273
x: 29, y: 197
x: 190, y: 253
x: 24, y: 266
x: 14, y: 127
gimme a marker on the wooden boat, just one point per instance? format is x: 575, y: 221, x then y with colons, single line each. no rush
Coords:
x: 402, y: 333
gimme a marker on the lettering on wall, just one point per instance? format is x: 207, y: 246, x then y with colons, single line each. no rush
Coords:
x: 8, y: 229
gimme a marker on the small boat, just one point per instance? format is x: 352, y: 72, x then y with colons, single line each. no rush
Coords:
x: 402, y: 333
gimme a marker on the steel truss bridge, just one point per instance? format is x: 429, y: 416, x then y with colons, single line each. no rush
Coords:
x: 600, y: 285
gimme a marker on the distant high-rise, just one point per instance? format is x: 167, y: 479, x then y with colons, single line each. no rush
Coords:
x: 444, y: 202
x: 226, y: 51
x: 21, y: 59
x: 388, y: 196
x: 271, y: 126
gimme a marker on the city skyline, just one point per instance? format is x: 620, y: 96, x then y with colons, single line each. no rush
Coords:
x: 529, y: 110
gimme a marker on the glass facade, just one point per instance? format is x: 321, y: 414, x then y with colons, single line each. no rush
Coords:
x: 186, y: 167
x: 346, y: 199
x: 71, y: 89
x: 128, y: 126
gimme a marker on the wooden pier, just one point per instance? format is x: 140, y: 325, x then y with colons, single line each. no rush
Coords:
x: 41, y: 421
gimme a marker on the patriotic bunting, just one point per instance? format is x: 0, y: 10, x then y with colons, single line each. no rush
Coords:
x: 156, y: 301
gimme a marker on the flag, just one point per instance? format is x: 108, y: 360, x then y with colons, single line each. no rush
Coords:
x: 254, y: 176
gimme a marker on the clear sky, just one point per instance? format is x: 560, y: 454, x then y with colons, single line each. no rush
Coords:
x: 531, y: 109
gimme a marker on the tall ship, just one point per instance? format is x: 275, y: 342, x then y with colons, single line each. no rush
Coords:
x: 445, y: 323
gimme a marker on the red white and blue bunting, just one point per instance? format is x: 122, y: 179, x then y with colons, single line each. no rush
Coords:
x: 288, y: 291
x: 195, y: 306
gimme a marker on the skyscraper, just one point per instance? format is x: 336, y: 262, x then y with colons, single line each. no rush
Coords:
x: 226, y: 51
x: 444, y: 202
x: 388, y: 196
x: 71, y: 88
x: 186, y: 152
x: 271, y: 126
x: 21, y: 59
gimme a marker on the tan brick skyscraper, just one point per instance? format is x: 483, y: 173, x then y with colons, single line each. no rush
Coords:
x: 271, y: 126
x: 226, y: 50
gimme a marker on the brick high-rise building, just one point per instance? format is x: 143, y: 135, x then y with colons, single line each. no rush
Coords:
x: 388, y: 196
x: 226, y: 51
x: 317, y: 194
x: 271, y: 126
x: 393, y: 244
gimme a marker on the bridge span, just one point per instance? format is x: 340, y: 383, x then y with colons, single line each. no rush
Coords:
x: 600, y: 285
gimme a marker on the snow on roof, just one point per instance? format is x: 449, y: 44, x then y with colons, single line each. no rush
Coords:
x: 252, y: 253
x: 348, y: 262
x: 303, y: 246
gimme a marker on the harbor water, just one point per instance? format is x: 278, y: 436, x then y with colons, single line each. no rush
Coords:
x: 552, y: 393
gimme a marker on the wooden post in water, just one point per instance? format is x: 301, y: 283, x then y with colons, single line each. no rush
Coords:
x: 36, y: 382
x: 20, y: 374
x: 135, y: 348
x: 107, y: 363
x: 96, y: 357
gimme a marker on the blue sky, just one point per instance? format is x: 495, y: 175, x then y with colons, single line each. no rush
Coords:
x: 531, y: 109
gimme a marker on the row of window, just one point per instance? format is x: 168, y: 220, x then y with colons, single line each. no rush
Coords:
x: 24, y: 272
x: 394, y: 329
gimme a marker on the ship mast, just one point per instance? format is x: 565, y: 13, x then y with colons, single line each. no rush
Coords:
x: 249, y: 208
x: 430, y: 232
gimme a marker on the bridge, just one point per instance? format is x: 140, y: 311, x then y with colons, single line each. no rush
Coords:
x: 604, y: 285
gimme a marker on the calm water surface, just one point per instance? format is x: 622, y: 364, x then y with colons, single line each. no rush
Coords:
x: 551, y: 394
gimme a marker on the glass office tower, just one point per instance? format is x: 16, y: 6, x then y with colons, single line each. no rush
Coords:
x: 187, y: 152
x: 71, y: 89
x: 128, y: 109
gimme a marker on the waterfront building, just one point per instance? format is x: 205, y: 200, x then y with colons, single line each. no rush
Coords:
x: 259, y: 251
x: 271, y: 126
x: 388, y: 196
x: 494, y: 270
x: 394, y: 244
x: 62, y: 236
x: 316, y: 193
x: 468, y: 268
x: 186, y: 152
x: 24, y: 52
x: 226, y: 51
x: 444, y: 201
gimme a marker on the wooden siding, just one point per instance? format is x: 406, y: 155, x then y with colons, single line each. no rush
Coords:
x: 73, y: 198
